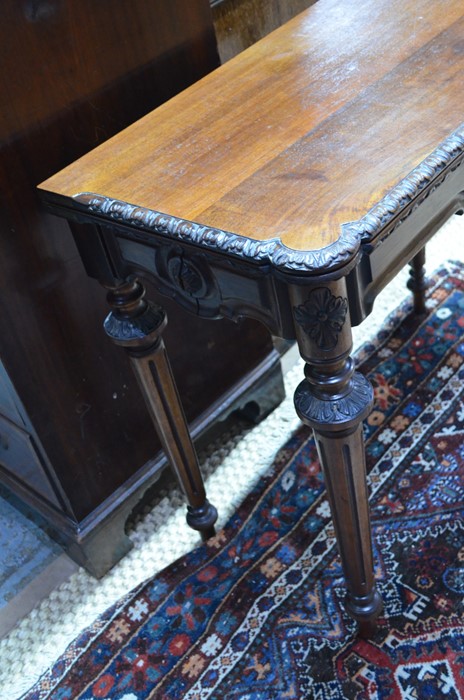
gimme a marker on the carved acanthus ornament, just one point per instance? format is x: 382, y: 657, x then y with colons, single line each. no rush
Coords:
x: 126, y: 329
x: 354, y: 405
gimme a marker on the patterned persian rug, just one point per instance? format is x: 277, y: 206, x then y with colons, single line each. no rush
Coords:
x: 257, y: 612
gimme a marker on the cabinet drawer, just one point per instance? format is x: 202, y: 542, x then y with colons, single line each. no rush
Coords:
x: 20, y: 457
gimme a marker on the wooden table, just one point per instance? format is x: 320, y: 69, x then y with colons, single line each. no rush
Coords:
x: 290, y: 186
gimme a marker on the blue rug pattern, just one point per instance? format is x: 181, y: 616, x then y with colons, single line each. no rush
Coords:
x: 257, y: 612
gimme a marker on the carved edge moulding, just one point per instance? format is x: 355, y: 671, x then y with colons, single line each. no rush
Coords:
x: 271, y: 251
x: 412, y: 190
x: 404, y: 198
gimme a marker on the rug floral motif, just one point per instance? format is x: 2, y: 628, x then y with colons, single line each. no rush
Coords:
x: 257, y: 612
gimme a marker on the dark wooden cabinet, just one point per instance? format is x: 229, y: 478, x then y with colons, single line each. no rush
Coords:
x: 240, y: 23
x: 76, y: 442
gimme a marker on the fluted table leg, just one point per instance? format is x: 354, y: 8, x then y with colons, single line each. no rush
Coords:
x: 137, y: 325
x: 333, y: 400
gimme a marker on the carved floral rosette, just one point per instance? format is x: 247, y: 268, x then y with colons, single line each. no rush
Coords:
x: 322, y: 317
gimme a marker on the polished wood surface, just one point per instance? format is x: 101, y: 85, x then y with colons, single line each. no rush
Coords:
x: 299, y: 134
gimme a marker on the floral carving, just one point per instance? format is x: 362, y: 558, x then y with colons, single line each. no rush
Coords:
x: 322, y: 317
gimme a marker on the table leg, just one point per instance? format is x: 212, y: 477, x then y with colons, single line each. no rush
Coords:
x: 416, y: 282
x: 333, y: 400
x: 137, y: 325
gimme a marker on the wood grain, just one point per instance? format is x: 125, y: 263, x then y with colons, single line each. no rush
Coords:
x: 300, y: 133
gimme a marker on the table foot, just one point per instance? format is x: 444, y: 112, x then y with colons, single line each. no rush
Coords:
x: 203, y: 519
x: 365, y: 610
x: 137, y: 325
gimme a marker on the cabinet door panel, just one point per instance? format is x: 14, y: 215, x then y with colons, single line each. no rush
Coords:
x: 20, y: 457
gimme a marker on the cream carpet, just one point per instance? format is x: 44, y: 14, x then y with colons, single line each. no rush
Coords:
x: 162, y: 535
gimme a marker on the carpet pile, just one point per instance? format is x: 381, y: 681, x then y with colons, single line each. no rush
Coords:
x: 257, y: 612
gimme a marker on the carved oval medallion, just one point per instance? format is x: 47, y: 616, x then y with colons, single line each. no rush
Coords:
x: 187, y: 276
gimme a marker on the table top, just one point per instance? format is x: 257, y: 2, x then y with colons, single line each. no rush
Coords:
x: 339, y: 116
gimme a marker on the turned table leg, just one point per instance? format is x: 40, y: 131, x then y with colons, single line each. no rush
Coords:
x: 137, y: 325
x: 333, y: 400
x: 416, y: 282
